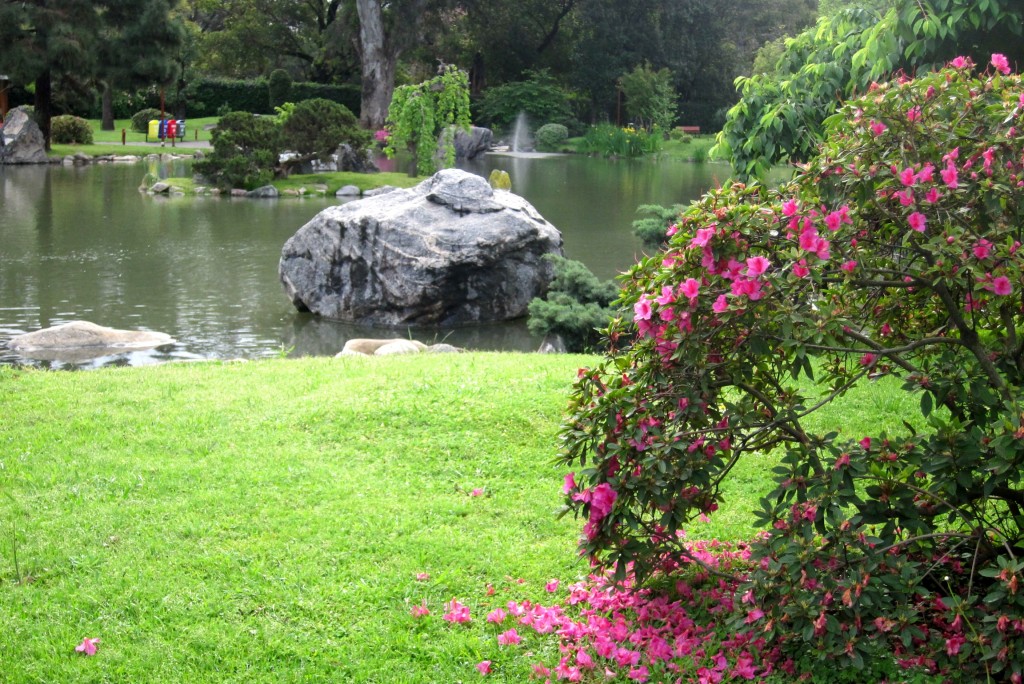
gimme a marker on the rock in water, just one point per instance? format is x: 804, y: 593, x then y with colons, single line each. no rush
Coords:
x: 21, y: 141
x: 450, y: 251
x: 81, y: 340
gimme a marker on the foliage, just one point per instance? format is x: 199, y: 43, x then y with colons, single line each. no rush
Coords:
x: 315, y: 128
x: 420, y: 113
x: 650, y: 97
x: 67, y: 130
x: 576, y: 307
x: 894, y: 252
x: 141, y: 119
x: 245, y: 152
x: 655, y: 223
x: 613, y: 141
x: 539, y: 96
x: 207, y: 95
x: 279, y: 87
x: 780, y: 114
x: 550, y: 137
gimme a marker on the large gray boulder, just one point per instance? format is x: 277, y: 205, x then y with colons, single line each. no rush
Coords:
x: 469, y: 145
x: 450, y: 251
x: 21, y: 141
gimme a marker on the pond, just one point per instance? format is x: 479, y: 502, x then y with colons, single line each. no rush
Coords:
x: 83, y: 243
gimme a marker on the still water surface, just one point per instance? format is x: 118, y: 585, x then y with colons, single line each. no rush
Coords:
x: 83, y: 243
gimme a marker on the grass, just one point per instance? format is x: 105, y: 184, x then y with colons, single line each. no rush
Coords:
x: 109, y: 142
x: 265, y: 521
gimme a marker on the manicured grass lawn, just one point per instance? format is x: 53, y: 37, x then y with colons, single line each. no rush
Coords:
x: 265, y: 521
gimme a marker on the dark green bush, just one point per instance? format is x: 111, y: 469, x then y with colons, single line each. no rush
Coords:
x: 539, y: 97
x: 550, y: 137
x: 70, y: 130
x: 211, y: 96
x: 652, y: 228
x: 316, y: 128
x: 279, y: 87
x: 245, y: 152
x: 141, y: 119
x: 577, y: 305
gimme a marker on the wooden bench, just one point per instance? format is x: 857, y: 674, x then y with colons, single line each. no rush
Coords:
x: 689, y: 130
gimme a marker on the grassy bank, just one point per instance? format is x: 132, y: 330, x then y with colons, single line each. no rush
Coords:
x: 267, y: 521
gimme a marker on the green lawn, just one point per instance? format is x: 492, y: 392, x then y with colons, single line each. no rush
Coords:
x: 266, y: 521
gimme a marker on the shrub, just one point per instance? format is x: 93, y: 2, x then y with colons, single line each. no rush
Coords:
x: 141, y: 119
x: 549, y: 137
x: 539, y: 97
x: 279, y: 87
x: 657, y: 224
x: 612, y: 141
x: 245, y: 151
x: 576, y: 308
x: 650, y: 96
x: 421, y: 114
x: 896, y: 251
x: 315, y: 128
x: 70, y: 130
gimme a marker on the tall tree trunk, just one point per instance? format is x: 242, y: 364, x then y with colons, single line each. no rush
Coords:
x: 107, y: 123
x: 42, y: 105
x: 378, y: 64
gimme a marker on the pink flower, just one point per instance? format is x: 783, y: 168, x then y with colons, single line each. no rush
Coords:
x: 907, y: 176
x: 756, y: 266
x: 849, y: 266
x: 642, y: 310
x: 639, y: 674
x: 982, y: 249
x: 88, y: 646
x: 457, y: 612
x: 570, y: 483
x: 552, y: 586
x: 601, y: 499
x: 877, y: 127
x: 867, y: 359
x: 913, y: 114
x: 1000, y: 62
x: 949, y: 176
x: 477, y: 492
x: 422, y: 576
x: 933, y: 195
x: 690, y: 288
x: 720, y: 305
x: 1001, y: 286
x: 666, y: 297
x: 809, y: 240
x: 906, y: 197
x: 702, y: 237
x: 420, y: 611
x: 789, y: 207
x: 496, y: 616
x: 800, y: 269
x: 484, y: 667
x: 509, y: 638
x: 917, y: 221
x: 865, y: 443
x: 960, y: 62
x: 754, y: 616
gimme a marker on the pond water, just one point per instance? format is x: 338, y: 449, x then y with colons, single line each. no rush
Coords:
x: 83, y: 243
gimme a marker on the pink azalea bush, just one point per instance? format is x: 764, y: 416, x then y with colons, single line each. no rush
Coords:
x: 895, y: 251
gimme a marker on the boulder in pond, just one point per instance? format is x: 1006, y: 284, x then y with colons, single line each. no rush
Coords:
x: 450, y: 251
x: 77, y: 340
x: 21, y: 141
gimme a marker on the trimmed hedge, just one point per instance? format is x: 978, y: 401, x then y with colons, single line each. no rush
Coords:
x: 70, y: 130
x: 208, y: 96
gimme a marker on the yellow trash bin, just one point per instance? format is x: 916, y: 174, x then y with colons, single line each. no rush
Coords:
x: 154, y: 131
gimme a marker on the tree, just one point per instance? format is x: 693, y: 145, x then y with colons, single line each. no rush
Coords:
x: 894, y: 256
x: 650, y: 97
x: 46, y: 41
x: 780, y: 115
x: 386, y: 29
x: 249, y: 38
x: 419, y: 114
x: 138, y: 45
x: 246, y: 149
x: 314, y: 129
